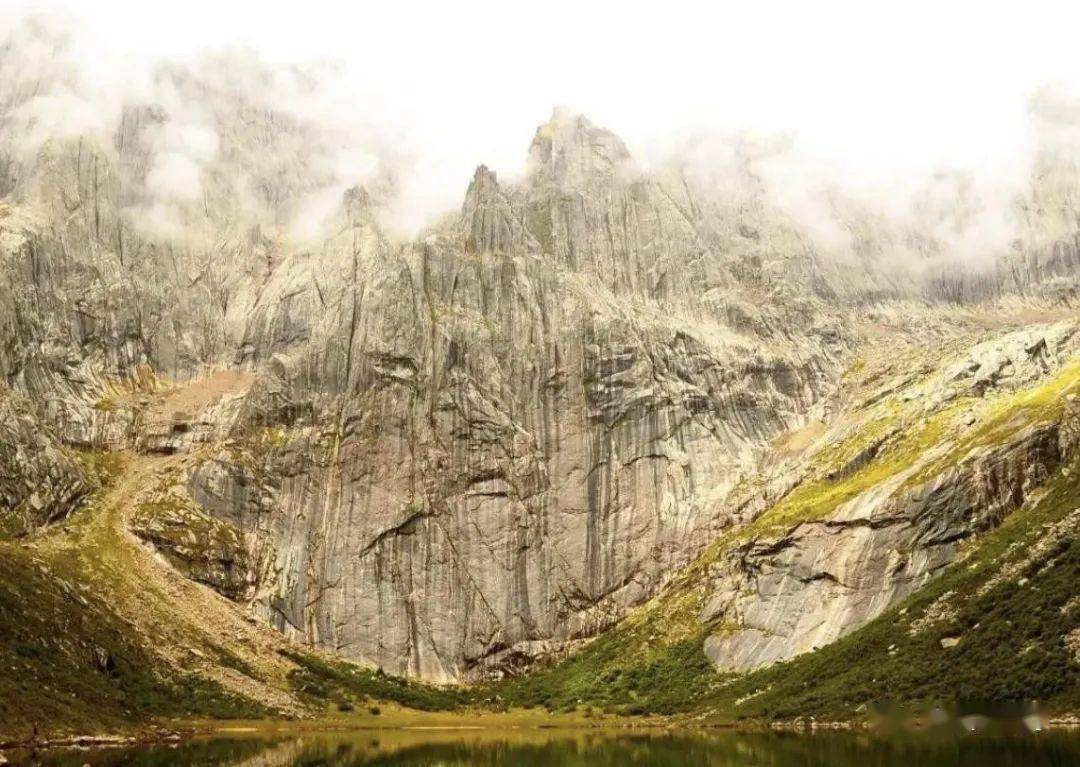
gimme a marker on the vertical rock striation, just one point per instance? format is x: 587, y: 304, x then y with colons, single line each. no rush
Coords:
x: 451, y: 455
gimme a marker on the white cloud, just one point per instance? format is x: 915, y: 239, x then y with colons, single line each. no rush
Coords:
x: 176, y: 176
x: 874, y: 97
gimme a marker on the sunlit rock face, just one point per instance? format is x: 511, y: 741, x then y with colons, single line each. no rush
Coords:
x: 984, y: 432
x: 451, y: 454
x: 526, y: 440
x: 789, y: 595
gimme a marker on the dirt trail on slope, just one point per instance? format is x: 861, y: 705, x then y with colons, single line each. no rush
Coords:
x: 189, y: 626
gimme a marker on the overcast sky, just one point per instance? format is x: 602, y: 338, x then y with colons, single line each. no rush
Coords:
x: 879, y: 90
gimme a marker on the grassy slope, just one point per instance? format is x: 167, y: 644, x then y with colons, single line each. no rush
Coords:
x: 94, y: 638
x: 69, y: 661
x: 67, y: 658
x: 652, y: 663
x: 322, y: 680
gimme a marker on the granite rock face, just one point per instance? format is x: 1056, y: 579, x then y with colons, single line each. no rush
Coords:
x: 446, y: 456
x: 794, y: 590
x: 524, y: 445
x: 39, y: 482
x: 826, y: 578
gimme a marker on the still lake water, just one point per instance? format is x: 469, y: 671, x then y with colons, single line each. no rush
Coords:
x: 561, y: 748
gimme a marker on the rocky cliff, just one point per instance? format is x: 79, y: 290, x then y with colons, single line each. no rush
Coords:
x: 454, y: 455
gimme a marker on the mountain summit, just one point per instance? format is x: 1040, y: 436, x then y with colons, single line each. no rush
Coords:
x: 599, y: 419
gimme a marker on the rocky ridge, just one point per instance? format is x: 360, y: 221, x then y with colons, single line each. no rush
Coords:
x: 453, y: 456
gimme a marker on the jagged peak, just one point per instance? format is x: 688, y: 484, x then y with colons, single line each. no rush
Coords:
x: 358, y: 195
x: 569, y: 149
x: 484, y: 186
x: 483, y: 191
x: 489, y: 221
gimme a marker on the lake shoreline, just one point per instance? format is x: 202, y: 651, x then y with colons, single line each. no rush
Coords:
x: 182, y: 731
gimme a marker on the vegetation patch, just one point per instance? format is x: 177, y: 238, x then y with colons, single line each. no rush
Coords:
x: 322, y: 682
x: 1007, y: 414
x: 71, y: 662
x: 880, y: 449
x: 1002, y: 638
x: 651, y: 663
x: 205, y: 549
x: 101, y: 467
x: 105, y: 404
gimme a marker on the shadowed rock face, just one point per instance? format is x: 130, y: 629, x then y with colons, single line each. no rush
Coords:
x: 443, y: 455
x: 39, y: 482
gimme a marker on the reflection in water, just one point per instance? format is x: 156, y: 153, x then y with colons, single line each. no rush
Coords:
x: 592, y: 748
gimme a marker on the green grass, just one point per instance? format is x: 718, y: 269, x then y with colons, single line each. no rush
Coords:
x: 1011, y: 645
x: 320, y: 681
x: 670, y: 682
x: 835, y: 479
x: 101, y: 467
x: 650, y: 663
x: 70, y: 664
x: 1010, y: 649
x: 1005, y: 415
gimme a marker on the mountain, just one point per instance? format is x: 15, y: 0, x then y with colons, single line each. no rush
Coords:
x: 601, y: 422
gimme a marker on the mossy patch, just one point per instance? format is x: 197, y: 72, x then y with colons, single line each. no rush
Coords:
x: 204, y: 548
x: 105, y: 404
x: 1005, y: 415
x: 101, y: 467
x: 322, y: 681
x: 72, y: 665
x: 1010, y: 630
